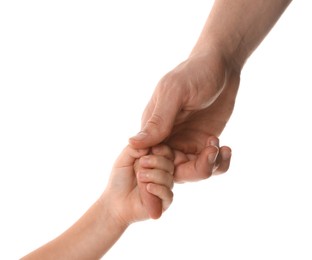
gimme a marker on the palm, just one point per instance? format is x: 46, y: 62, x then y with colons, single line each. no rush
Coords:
x: 189, y: 110
x: 198, y: 125
x: 208, y: 91
x: 190, y: 136
x: 137, y: 212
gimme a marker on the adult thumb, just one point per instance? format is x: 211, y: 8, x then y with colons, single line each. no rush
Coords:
x: 157, y: 122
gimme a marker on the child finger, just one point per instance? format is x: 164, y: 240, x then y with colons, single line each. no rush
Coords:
x: 163, y: 150
x: 156, y: 176
x: 154, y: 161
x: 162, y: 192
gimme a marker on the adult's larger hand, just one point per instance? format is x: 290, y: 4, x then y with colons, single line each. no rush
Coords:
x: 195, y: 100
x: 188, y: 110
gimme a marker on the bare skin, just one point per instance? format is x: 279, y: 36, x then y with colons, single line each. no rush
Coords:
x: 192, y: 103
x: 119, y: 206
x: 188, y: 110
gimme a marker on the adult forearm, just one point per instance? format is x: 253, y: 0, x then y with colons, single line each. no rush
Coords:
x: 238, y: 27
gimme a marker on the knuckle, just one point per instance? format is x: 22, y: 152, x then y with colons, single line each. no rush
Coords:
x: 157, y: 122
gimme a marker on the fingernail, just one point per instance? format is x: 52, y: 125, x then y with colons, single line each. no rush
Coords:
x: 212, y: 158
x: 214, y: 142
x: 140, y: 136
x: 226, y: 154
x: 149, y: 187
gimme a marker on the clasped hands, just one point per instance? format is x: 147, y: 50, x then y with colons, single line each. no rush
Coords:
x: 188, y: 111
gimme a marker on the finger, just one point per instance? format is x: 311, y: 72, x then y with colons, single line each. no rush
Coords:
x: 197, y: 167
x: 156, y: 162
x: 152, y: 203
x: 156, y: 176
x: 128, y: 156
x: 159, y: 117
x: 223, y: 160
x: 161, y: 164
x: 163, y: 193
x: 163, y: 150
x: 212, y: 140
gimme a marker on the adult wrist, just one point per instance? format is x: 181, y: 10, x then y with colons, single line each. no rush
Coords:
x: 232, y: 50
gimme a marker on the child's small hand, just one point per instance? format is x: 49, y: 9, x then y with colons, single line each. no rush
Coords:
x: 137, y: 176
x: 155, y: 177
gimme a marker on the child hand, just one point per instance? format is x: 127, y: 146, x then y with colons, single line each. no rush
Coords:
x: 123, y: 196
x: 151, y: 181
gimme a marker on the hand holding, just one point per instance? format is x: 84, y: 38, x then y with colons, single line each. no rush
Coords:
x: 188, y: 111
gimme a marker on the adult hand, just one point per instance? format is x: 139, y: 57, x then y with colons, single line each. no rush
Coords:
x: 188, y: 110
x: 195, y: 100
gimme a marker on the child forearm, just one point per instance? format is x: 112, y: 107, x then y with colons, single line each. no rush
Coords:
x: 89, y: 238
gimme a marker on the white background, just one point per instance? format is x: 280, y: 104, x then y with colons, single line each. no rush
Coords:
x: 74, y: 79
